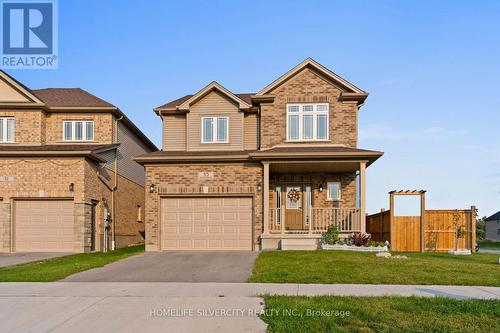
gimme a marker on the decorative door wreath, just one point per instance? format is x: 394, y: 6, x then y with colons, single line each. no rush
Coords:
x: 294, y: 195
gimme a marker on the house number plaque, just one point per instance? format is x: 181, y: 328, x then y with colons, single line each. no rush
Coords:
x: 205, y: 175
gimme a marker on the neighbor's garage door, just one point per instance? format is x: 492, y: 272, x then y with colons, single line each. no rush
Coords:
x: 216, y: 223
x: 44, y: 226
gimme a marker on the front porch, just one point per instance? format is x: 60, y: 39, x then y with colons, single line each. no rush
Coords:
x: 302, y: 198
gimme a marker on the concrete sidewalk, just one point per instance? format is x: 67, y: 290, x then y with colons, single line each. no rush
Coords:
x: 212, y: 289
x: 171, y: 307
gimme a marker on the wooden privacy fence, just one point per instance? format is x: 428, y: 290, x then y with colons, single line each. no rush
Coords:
x: 436, y: 227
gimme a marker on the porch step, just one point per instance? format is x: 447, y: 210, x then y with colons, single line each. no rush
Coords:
x: 306, y: 244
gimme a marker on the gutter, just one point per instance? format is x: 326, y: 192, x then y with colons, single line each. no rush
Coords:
x: 115, y: 185
x: 84, y: 153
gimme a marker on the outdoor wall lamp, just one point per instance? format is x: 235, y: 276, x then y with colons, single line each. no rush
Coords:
x: 71, y: 187
x: 320, y: 187
x: 259, y: 187
x: 152, y: 188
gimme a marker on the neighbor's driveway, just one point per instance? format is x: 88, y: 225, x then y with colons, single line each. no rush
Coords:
x: 7, y: 259
x: 174, y: 266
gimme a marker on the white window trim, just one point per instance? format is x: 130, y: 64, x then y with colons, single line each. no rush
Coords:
x: 315, y: 114
x: 328, y: 198
x: 73, y: 132
x: 214, y: 129
x: 4, y: 130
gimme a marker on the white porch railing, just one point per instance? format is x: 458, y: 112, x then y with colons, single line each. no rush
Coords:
x: 346, y: 219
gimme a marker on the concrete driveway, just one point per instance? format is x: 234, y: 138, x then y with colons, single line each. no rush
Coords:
x: 8, y: 259
x: 175, y: 266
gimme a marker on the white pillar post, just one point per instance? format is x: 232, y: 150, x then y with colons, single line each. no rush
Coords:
x: 266, y: 198
x: 362, y: 195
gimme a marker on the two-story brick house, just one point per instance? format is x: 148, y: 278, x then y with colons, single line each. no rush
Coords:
x: 256, y: 171
x: 67, y: 179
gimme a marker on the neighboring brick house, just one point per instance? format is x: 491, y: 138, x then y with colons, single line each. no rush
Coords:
x: 67, y: 179
x: 492, y: 227
x: 254, y: 171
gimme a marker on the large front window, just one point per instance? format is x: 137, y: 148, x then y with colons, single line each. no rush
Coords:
x: 78, y: 130
x: 307, y: 122
x: 214, y: 129
x: 6, y: 129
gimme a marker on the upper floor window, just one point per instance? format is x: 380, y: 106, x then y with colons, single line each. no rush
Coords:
x: 78, y: 131
x: 214, y: 129
x: 307, y: 122
x: 6, y: 129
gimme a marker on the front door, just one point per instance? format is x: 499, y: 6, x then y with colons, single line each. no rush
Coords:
x: 293, y: 208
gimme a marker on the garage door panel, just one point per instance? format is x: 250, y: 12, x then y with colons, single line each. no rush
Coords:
x: 44, y: 226
x: 210, y: 223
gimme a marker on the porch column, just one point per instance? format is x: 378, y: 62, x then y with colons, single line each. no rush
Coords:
x: 266, y: 198
x: 362, y: 195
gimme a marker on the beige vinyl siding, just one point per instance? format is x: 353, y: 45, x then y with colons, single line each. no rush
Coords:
x: 251, y: 132
x: 109, y: 157
x: 130, y: 147
x: 174, y: 133
x: 9, y: 94
x: 214, y: 104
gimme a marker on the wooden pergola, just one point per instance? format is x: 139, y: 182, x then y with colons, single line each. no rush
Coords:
x: 421, y: 193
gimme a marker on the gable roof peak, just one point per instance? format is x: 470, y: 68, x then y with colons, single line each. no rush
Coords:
x: 214, y: 85
x: 310, y: 62
x: 20, y: 88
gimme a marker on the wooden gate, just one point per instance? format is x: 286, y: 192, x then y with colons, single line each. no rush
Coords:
x: 439, y: 227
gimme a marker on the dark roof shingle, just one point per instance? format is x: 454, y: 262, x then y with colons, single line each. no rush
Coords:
x: 247, y: 97
x: 69, y: 97
x: 494, y: 217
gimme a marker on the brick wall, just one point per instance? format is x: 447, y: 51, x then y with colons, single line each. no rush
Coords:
x: 308, y: 87
x: 128, y: 196
x: 50, y: 178
x: 228, y: 178
x: 28, y: 125
x: 347, y: 181
x: 103, y: 126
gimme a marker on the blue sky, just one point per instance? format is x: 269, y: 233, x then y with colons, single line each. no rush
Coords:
x: 432, y: 69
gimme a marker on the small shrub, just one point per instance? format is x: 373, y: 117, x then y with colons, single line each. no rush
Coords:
x: 374, y: 243
x: 331, y: 236
x: 360, y: 238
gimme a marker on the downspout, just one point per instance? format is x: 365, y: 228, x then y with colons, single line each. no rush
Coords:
x: 115, y: 186
x: 105, y: 233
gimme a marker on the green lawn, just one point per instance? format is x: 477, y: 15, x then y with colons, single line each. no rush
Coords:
x: 58, y: 268
x: 380, y: 314
x: 357, y: 267
x: 485, y: 244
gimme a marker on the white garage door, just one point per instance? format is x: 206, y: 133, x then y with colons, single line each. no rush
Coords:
x: 44, y: 226
x: 217, y: 223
